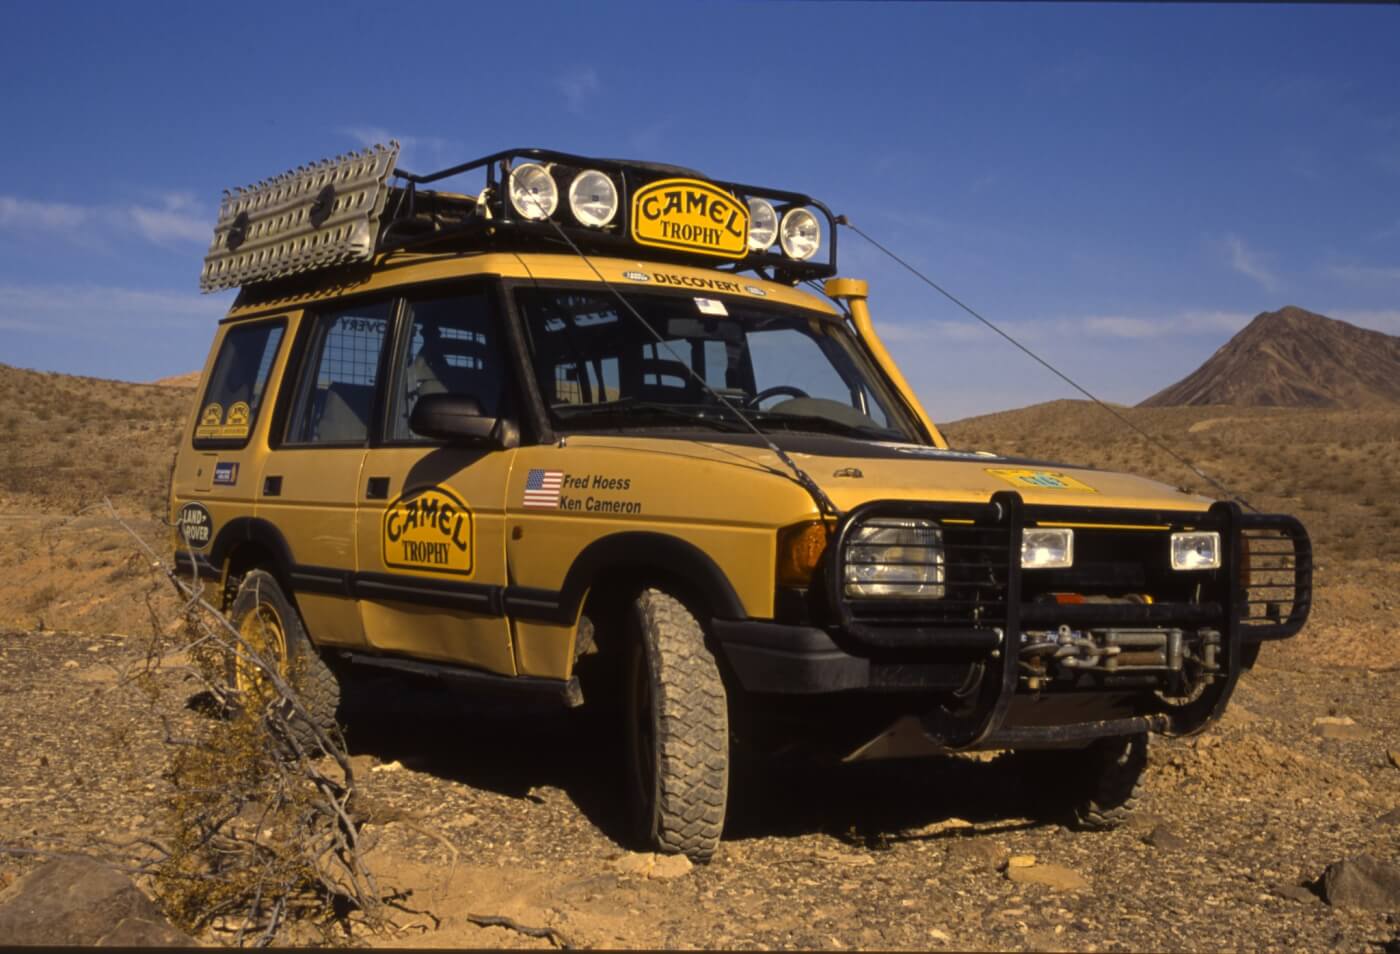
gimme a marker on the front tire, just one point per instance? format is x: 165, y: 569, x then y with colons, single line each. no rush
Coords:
x: 677, y: 730
x: 269, y: 624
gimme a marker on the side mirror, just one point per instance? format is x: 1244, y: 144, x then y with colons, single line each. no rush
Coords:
x: 457, y: 419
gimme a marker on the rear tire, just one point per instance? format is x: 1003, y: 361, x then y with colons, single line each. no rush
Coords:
x: 271, y: 625
x: 677, y: 730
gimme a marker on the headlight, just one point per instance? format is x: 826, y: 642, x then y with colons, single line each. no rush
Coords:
x: 533, y: 191
x: 895, y: 557
x: 593, y: 198
x: 763, y: 224
x: 1195, y: 551
x: 801, y: 234
x: 1047, y: 548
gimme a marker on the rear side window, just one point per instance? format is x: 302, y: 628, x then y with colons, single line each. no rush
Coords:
x: 335, y: 402
x: 235, y: 391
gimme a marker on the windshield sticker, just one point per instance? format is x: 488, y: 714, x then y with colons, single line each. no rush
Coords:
x: 636, y: 276
x: 428, y: 529
x: 711, y: 306
x: 236, y: 423
x: 226, y: 473
x: 195, y: 526
x: 545, y: 490
x: 1041, y: 480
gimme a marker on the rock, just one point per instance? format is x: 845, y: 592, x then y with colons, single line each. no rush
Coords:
x: 1166, y: 838
x: 1394, y: 756
x: 1391, y: 817
x: 1055, y: 877
x: 1296, y: 892
x: 1362, y: 882
x: 1020, y: 861
x: 939, y: 827
x: 977, y: 851
x: 845, y: 858
x: 656, y: 867
x: 1337, y: 727
x: 82, y: 902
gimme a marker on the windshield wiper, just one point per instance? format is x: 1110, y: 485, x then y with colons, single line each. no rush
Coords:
x: 642, y: 413
x: 797, y: 422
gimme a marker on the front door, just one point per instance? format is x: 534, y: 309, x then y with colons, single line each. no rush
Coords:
x: 431, y: 518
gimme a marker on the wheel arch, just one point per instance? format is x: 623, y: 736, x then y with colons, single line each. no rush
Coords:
x: 245, y: 543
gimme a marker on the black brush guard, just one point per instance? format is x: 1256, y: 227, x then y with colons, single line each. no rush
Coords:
x: 1266, y: 566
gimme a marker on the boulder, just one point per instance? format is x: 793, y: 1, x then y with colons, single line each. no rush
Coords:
x: 1362, y: 882
x: 74, y: 902
x: 1055, y: 877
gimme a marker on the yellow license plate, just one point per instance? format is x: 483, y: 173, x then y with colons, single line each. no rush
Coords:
x: 690, y: 216
x: 1040, y: 479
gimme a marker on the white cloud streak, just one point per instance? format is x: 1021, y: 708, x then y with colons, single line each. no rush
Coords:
x: 1365, y: 274
x: 579, y: 87
x: 1250, y: 264
x: 1086, y: 327
x: 175, y: 219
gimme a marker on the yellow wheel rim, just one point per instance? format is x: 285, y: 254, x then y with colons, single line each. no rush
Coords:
x: 262, y: 631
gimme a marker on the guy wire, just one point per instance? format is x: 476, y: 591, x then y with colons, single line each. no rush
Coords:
x: 1161, y: 445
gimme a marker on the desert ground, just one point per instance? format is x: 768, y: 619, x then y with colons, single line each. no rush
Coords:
x: 482, y: 808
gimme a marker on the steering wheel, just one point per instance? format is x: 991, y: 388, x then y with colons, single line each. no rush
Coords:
x: 779, y: 390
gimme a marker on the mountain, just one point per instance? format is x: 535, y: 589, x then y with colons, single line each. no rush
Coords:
x: 1294, y: 358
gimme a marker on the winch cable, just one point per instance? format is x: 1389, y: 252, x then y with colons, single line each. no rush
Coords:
x: 825, y: 506
x: 1145, y: 435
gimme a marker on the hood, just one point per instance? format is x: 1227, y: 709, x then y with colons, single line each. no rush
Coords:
x: 852, y: 472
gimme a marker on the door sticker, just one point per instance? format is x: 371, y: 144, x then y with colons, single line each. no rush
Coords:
x: 1040, y: 479
x: 429, y: 528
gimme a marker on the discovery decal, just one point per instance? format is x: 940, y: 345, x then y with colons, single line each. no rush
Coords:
x: 429, y: 528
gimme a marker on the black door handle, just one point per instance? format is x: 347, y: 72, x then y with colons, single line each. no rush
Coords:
x: 377, y: 488
x: 272, y: 486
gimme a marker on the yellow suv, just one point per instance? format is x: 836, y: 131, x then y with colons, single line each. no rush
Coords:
x: 593, y: 428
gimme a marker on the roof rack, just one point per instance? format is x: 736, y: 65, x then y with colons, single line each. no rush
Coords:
x: 346, y: 210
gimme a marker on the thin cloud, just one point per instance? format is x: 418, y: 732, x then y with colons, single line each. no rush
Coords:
x: 416, y: 153
x: 103, y: 312
x: 176, y: 219
x: 1250, y: 264
x: 1086, y: 327
x: 1365, y: 274
x: 1378, y: 319
x: 579, y: 86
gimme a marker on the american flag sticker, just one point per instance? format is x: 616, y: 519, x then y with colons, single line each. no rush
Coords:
x: 542, y: 489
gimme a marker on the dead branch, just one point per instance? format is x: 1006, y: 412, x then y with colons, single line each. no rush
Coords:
x: 548, y: 933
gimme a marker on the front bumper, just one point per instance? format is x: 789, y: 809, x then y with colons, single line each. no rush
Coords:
x: 973, y: 644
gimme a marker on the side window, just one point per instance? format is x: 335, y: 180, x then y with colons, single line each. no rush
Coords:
x: 336, y: 398
x: 452, y: 348
x: 235, y: 391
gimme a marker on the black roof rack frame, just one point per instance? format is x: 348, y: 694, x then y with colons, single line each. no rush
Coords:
x: 416, y: 217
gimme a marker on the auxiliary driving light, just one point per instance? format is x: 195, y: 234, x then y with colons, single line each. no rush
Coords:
x: 895, y: 557
x: 533, y: 191
x: 1196, y: 551
x: 801, y: 234
x: 1047, y: 548
x: 763, y: 224
x: 593, y: 198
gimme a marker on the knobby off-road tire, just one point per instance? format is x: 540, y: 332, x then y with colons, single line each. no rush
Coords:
x: 282, y: 641
x: 1095, y: 787
x: 678, y: 730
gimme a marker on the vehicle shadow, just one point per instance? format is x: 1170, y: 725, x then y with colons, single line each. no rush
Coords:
x: 511, y: 746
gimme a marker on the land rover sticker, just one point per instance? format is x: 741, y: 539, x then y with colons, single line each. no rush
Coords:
x: 195, y: 525
x: 755, y: 290
x: 1041, y: 480
x: 428, y: 529
x: 226, y: 473
x: 691, y: 216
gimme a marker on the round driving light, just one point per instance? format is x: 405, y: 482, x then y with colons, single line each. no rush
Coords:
x: 763, y: 224
x: 533, y: 192
x: 801, y: 234
x: 593, y: 198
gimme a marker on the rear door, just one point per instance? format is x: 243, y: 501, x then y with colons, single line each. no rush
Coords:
x: 311, y: 481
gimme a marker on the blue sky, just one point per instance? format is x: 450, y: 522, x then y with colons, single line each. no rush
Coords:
x: 1124, y: 187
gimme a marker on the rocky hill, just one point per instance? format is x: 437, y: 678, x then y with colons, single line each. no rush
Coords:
x: 1294, y: 358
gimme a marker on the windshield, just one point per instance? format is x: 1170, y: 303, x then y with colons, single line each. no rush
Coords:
x: 788, y: 369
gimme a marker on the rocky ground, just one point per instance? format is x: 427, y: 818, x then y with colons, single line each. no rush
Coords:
x: 484, y: 810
